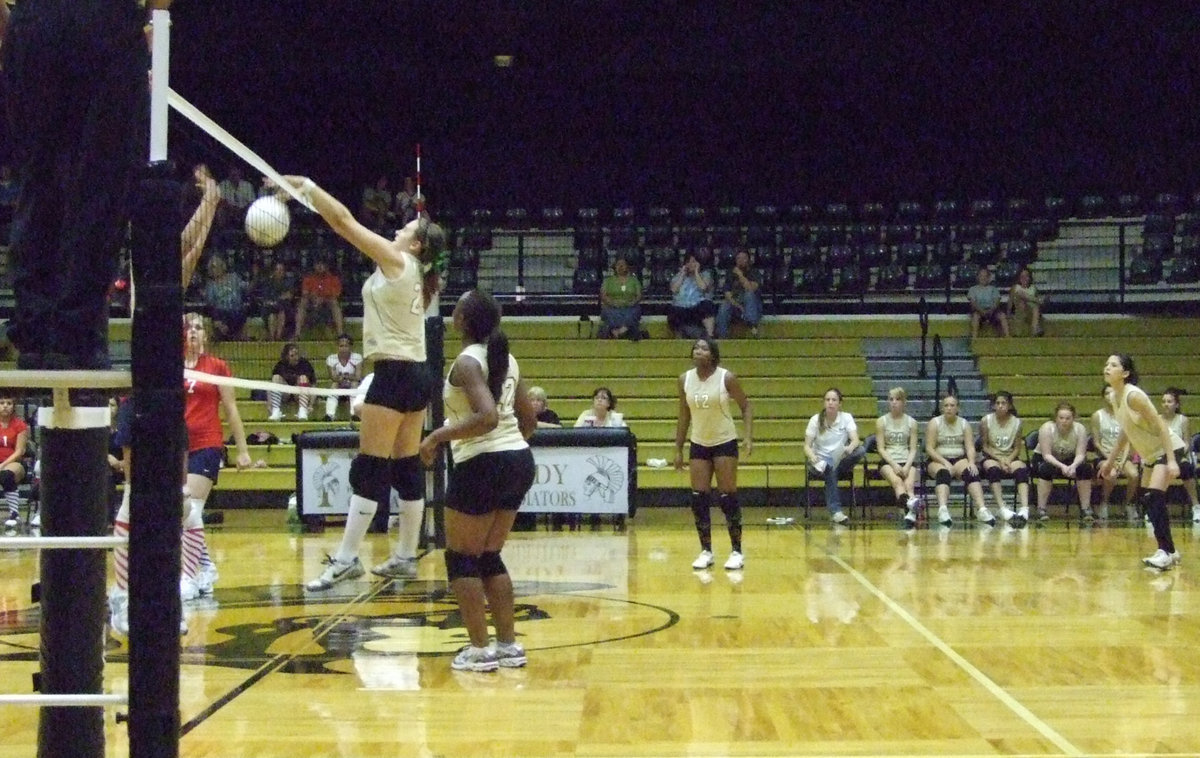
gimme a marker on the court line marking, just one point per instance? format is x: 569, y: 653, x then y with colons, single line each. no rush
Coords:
x: 984, y: 681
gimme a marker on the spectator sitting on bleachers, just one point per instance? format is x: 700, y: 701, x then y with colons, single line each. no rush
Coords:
x: 405, y: 207
x: 546, y: 418
x: 603, y: 411
x: 620, y: 298
x: 1025, y: 306
x: 321, y: 288
x: 692, y: 313
x: 275, y: 294
x: 225, y: 296
x: 296, y: 371
x: 376, y: 207
x: 345, y: 372
x: 985, y: 303
x: 742, y: 298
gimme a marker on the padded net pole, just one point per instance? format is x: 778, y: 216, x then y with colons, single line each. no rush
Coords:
x: 74, y: 504
x: 159, y: 437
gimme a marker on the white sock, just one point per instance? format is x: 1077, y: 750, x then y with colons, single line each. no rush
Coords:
x: 121, y: 552
x: 331, y: 404
x: 411, y: 512
x: 358, y: 521
x: 273, y: 401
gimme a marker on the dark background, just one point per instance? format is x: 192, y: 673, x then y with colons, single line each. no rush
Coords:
x: 611, y: 103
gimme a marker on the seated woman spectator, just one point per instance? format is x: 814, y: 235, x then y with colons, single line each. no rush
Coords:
x: 1025, y: 306
x: 1002, y: 442
x: 546, y: 418
x: 692, y: 313
x: 321, y: 289
x: 620, y: 298
x: 225, y: 296
x: 896, y: 441
x: 1172, y: 413
x: 276, y: 296
x: 832, y: 449
x: 1062, y: 452
x: 296, y: 371
x: 603, y: 411
x: 742, y: 300
x: 986, y: 306
x: 1106, y: 430
x: 950, y: 448
x: 345, y: 372
x: 14, y: 437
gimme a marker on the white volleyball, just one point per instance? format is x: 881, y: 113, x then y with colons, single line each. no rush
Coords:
x: 267, y: 221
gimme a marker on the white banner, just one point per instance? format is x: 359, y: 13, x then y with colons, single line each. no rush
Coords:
x: 325, y: 476
x: 579, y: 480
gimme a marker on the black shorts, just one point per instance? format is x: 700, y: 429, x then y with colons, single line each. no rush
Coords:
x: 490, y: 482
x: 708, y: 452
x: 403, y: 386
x: 881, y: 465
x: 206, y: 462
x: 1179, y: 459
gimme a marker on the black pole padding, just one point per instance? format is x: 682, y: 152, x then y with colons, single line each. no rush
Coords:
x: 74, y: 504
x: 435, y: 483
x: 158, y: 446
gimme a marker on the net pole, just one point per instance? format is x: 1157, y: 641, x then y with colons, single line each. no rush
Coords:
x: 159, y: 83
x: 158, y: 443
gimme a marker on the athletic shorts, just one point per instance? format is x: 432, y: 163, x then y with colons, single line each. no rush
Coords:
x: 1179, y: 458
x: 490, y: 482
x: 206, y: 462
x: 708, y: 452
x: 881, y: 465
x: 403, y: 386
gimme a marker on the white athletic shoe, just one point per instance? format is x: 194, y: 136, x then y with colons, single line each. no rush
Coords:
x: 735, y: 561
x: 302, y: 414
x: 276, y: 415
x: 1161, y: 560
x: 396, y: 567
x: 509, y: 655
x: 913, y: 503
x: 189, y: 588
x: 704, y: 560
x: 910, y: 518
x: 206, y: 577
x: 118, y: 611
x: 472, y: 658
x: 14, y: 518
x: 1007, y: 513
x: 944, y: 516
x: 984, y: 515
x: 839, y: 517
x: 337, y: 572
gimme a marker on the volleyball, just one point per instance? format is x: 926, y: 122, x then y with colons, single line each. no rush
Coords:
x: 267, y: 221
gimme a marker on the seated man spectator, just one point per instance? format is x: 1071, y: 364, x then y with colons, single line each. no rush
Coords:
x: 275, y: 294
x: 692, y: 312
x: 345, y: 372
x: 376, y: 205
x: 546, y: 418
x: 742, y: 298
x: 296, y: 371
x: 320, y: 289
x: 985, y: 303
x: 225, y: 296
x: 620, y: 298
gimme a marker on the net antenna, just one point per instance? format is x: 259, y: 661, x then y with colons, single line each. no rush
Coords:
x: 419, y: 200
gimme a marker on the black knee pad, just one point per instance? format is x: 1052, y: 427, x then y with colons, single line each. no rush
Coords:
x: 369, y: 477
x: 1021, y: 475
x: 8, y: 480
x: 490, y: 564
x: 730, y: 507
x: 1152, y: 499
x: 968, y: 477
x: 1187, y: 470
x: 943, y: 477
x: 700, y: 507
x: 1046, y: 471
x: 461, y: 566
x: 1085, y: 472
x: 408, y: 479
x: 993, y: 474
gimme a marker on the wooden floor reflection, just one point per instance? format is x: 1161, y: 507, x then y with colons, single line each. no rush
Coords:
x: 867, y: 641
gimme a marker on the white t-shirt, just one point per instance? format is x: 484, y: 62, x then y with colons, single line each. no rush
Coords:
x: 347, y: 370
x: 836, y: 436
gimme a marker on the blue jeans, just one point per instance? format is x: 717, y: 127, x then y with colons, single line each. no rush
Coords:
x: 612, y: 317
x: 833, y: 499
x: 751, y: 313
